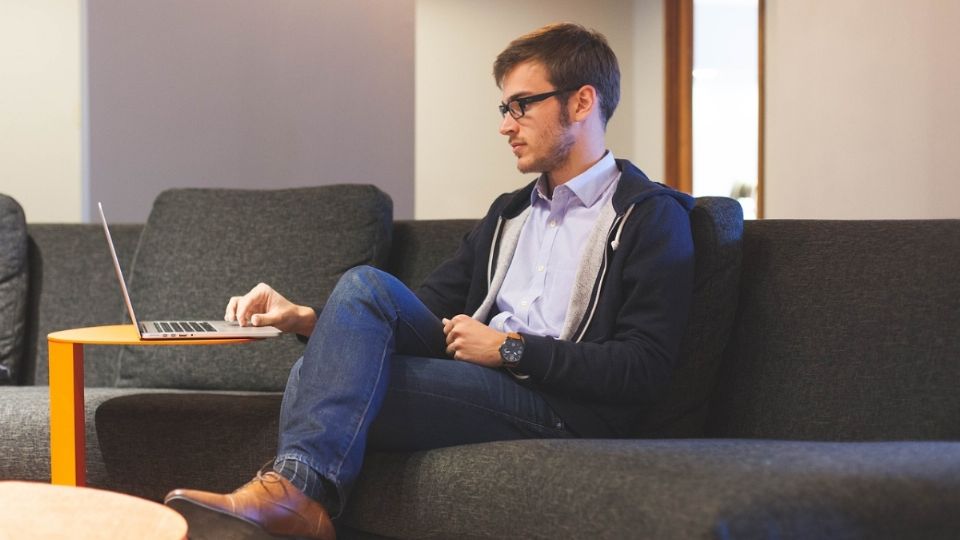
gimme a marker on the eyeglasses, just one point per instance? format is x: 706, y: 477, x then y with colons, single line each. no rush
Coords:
x: 517, y: 107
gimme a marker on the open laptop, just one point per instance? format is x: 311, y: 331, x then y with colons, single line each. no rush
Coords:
x: 181, y: 328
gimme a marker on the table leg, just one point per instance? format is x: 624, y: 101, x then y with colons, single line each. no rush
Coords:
x: 68, y: 464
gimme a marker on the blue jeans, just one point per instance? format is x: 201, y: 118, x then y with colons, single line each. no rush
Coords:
x: 375, y: 371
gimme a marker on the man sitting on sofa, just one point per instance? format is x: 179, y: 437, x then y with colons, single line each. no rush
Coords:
x: 562, y: 311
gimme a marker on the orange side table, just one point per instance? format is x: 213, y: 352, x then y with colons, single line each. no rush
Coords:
x: 68, y: 465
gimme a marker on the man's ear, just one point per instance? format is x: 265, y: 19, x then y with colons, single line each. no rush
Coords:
x: 584, y: 101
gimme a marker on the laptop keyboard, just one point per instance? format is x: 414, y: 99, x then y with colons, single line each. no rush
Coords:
x: 186, y: 326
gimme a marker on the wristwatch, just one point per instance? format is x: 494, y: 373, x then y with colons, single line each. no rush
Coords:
x: 511, y: 351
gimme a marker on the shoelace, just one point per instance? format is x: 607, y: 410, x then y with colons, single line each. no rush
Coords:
x: 261, y: 476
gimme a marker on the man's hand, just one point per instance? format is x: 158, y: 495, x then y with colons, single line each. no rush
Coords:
x: 472, y: 341
x: 263, y: 306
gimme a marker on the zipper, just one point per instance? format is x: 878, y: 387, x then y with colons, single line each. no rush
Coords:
x: 493, y: 251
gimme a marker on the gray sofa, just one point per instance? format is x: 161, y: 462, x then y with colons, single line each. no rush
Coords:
x: 816, y: 394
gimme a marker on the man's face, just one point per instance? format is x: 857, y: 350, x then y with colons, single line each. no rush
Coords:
x: 540, y: 138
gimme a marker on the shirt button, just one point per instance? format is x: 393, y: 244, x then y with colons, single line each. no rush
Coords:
x: 540, y: 268
x: 524, y: 303
x: 552, y: 224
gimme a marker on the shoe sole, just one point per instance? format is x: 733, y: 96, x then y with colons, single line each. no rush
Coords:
x: 206, y: 523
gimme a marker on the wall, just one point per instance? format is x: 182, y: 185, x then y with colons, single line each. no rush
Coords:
x: 40, y: 107
x: 863, y: 116
x: 462, y: 162
x: 248, y: 94
x: 648, y: 88
x: 862, y: 112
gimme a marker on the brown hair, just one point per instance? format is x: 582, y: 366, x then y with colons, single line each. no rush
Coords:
x: 573, y: 55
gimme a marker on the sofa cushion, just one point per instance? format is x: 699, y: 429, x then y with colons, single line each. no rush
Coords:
x: 25, y: 445
x: 847, y: 330
x: 717, y: 227
x: 13, y: 288
x: 201, y: 246
x: 146, y: 442
x: 155, y: 441
x: 662, y: 489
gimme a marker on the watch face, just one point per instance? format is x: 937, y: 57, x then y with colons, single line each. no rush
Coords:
x: 511, y: 351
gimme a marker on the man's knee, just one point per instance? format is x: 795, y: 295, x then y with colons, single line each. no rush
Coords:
x: 362, y: 276
x: 364, y: 282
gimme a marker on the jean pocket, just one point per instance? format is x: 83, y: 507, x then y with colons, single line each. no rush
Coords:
x: 552, y: 426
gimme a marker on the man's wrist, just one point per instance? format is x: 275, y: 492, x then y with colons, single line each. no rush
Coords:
x: 306, y: 320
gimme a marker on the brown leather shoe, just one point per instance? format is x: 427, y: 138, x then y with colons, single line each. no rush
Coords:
x: 267, y: 504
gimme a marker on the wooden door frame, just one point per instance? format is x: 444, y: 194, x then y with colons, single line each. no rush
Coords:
x: 678, y: 97
x: 762, y: 103
x: 678, y: 94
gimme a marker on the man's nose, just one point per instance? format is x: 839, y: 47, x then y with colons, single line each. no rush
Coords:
x: 508, y: 125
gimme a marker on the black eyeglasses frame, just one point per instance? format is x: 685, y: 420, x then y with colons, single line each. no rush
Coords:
x: 522, y: 102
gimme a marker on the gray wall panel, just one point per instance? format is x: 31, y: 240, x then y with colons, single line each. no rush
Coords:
x: 248, y: 94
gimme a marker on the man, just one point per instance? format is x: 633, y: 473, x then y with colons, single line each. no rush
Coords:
x: 562, y: 311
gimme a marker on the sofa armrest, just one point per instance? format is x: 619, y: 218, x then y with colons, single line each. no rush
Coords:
x: 13, y: 288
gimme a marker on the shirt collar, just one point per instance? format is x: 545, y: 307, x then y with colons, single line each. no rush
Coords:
x: 588, y: 186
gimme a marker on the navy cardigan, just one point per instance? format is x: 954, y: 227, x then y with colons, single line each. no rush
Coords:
x: 602, y: 384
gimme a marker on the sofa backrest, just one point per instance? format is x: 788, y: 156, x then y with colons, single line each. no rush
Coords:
x: 846, y: 330
x: 201, y: 246
x: 13, y: 288
x: 72, y: 285
x: 716, y: 224
x: 420, y: 246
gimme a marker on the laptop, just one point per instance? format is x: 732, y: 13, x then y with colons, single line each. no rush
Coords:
x: 180, y: 328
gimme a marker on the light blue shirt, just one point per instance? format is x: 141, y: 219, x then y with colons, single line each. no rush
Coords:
x: 538, y: 284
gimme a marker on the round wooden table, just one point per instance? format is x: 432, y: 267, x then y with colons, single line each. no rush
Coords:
x: 30, y: 510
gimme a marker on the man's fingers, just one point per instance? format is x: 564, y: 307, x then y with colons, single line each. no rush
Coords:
x: 450, y: 324
x: 450, y: 347
x: 244, y: 306
x: 454, y: 345
x: 269, y: 318
x: 231, y: 312
x: 451, y: 330
x: 260, y: 320
x: 447, y: 328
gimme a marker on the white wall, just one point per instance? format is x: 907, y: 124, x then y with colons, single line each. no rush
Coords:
x: 40, y: 107
x: 648, y: 88
x: 863, y: 109
x: 462, y: 162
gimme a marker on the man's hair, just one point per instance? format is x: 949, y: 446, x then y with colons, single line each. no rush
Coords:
x: 573, y: 55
